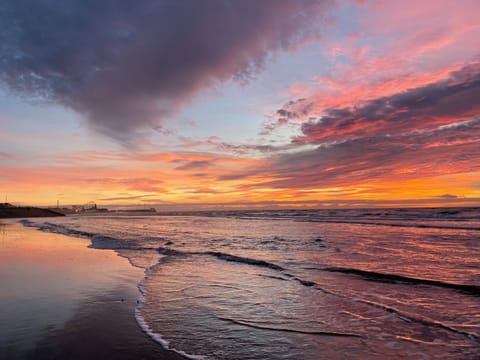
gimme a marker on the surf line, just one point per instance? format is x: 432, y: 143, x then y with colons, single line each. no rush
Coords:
x: 327, y: 333
x: 261, y: 263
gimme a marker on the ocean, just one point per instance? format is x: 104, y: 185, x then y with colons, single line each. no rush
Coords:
x: 300, y: 284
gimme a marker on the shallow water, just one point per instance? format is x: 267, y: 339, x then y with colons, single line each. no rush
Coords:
x: 61, y: 300
x: 302, y: 284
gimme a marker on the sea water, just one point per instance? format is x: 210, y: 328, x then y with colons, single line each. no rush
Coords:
x: 301, y: 284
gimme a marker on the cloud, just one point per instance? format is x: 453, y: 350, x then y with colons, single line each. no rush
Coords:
x: 128, y: 65
x: 452, y: 149
x: 138, y: 184
x: 393, y: 112
x: 448, y: 196
x: 422, y: 108
x: 136, y: 197
x: 391, y: 56
x: 195, y: 165
x: 244, y: 149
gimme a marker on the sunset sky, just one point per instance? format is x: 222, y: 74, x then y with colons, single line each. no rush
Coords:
x: 195, y: 104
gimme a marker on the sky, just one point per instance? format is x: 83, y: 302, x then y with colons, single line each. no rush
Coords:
x: 240, y: 104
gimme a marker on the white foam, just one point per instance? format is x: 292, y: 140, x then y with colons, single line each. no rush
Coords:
x: 148, y: 330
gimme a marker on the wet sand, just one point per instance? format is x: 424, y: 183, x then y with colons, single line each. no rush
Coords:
x: 60, y: 299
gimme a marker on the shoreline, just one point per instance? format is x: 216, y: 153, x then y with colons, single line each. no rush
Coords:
x: 64, y: 300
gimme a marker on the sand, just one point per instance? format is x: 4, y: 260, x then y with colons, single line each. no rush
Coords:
x: 60, y: 299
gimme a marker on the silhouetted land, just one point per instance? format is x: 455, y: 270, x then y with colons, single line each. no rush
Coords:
x: 11, y: 211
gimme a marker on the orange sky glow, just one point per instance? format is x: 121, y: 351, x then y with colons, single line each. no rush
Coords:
x: 350, y: 107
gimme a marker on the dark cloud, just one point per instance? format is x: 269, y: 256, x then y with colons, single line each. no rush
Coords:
x: 287, y: 114
x: 203, y: 190
x: 126, y: 65
x: 452, y: 149
x: 195, y: 165
x: 245, y: 148
x: 448, y: 196
x: 237, y: 176
x: 133, y: 197
x: 417, y: 109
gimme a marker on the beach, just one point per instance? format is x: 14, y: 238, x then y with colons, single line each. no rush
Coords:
x: 240, y: 180
x: 60, y: 299
x: 276, y: 285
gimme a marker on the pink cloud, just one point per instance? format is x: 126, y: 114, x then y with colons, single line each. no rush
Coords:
x: 439, y: 103
x: 393, y: 57
x: 378, y: 160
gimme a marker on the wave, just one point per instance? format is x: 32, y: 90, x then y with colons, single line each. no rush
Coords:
x: 298, y: 331
x: 171, y: 252
x: 400, y: 314
x: 392, y: 278
x: 246, y: 261
x: 243, y: 260
x: 410, y: 318
x: 391, y: 224
x: 465, y: 218
x: 460, y: 223
x: 148, y: 330
x: 416, y: 319
x: 119, y: 244
x: 56, y: 228
x: 97, y: 241
x: 273, y: 277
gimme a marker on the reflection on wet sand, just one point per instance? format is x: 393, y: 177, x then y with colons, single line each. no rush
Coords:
x: 61, y: 299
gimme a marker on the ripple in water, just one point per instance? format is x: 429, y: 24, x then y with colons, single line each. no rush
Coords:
x: 219, y: 309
